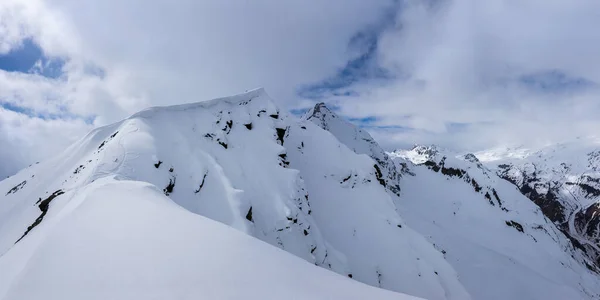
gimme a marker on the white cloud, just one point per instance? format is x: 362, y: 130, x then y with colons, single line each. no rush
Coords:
x: 163, y: 52
x: 465, y: 61
x: 26, y: 140
x: 460, y: 62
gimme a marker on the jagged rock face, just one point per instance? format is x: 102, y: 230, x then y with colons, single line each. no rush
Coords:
x: 588, y: 222
x: 461, y: 205
x: 563, y: 180
x: 358, y: 141
x: 560, y: 194
x: 544, y: 194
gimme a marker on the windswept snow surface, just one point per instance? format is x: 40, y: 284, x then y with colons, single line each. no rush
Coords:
x: 498, y: 241
x: 121, y: 239
x: 124, y: 213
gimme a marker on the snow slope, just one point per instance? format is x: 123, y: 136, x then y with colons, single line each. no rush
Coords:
x: 121, y: 239
x: 236, y: 160
x: 358, y: 141
x: 564, y: 180
x: 499, y: 242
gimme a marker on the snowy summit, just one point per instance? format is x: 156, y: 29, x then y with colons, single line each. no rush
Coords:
x: 235, y: 199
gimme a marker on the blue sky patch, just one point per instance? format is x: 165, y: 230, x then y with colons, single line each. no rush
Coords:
x: 299, y: 111
x: 64, y: 114
x: 555, y: 81
x: 363, y: 121
x: 16, y: 108
x: 24, y: 59
x: 393, y: 128
x: 362, y: 67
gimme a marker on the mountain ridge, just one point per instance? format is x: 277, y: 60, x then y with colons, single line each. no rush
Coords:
x: 316, y: 187
x: 244, y: 163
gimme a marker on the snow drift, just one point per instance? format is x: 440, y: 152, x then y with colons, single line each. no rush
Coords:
x: 121, y: 239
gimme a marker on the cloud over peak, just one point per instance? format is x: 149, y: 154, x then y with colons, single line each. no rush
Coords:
x: 466, y: 74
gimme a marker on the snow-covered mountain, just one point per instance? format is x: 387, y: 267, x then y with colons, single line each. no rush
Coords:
x: 499, y: 242
x: 564, y: 181
x: 358, y: 141
x: 237, y: 160
x: 172, y: 202
x: 122, y: 239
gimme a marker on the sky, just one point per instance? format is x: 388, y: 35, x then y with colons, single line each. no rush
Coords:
x: 463, y: 74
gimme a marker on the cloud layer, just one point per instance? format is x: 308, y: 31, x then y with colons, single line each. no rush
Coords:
x: 474, y: 74
x: 465, y: 74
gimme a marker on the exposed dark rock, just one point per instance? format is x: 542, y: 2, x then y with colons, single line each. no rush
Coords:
x: 248, y: 126
x: 432, y: 165
x: 516, y: 225
x: 589, y: 219
x: 379, y: 175
x: 157, y: 165
x: 437, y: 167
x: 588, y: 189
x: 16, y: 188
x: 549, y: 202
x: 249, y: 215
x: 280, y: 134
x: 43, y: 206
x: 169, y: 189
x: 453, y: 172
x: 489, y: 198
x: 497, y: 197
x: 346, y: 179
x: 283, y: 160
x: 201, y: 183
x: 78, y: 169
x: 475, y: 185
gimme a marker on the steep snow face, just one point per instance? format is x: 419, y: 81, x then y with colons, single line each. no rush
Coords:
x: 564, y: 181
x: 239, y: 161
x: 121, y: 239
x: 358, y: 141
x: 499, y: 242
x: 363, y: 224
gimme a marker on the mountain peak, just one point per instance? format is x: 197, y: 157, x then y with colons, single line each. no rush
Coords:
x: 321, y: 107
x: 239, y: 99
x: 321, y: 115
x: 358, y: 140
x: 321, y: 189
x: 418, y: 154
